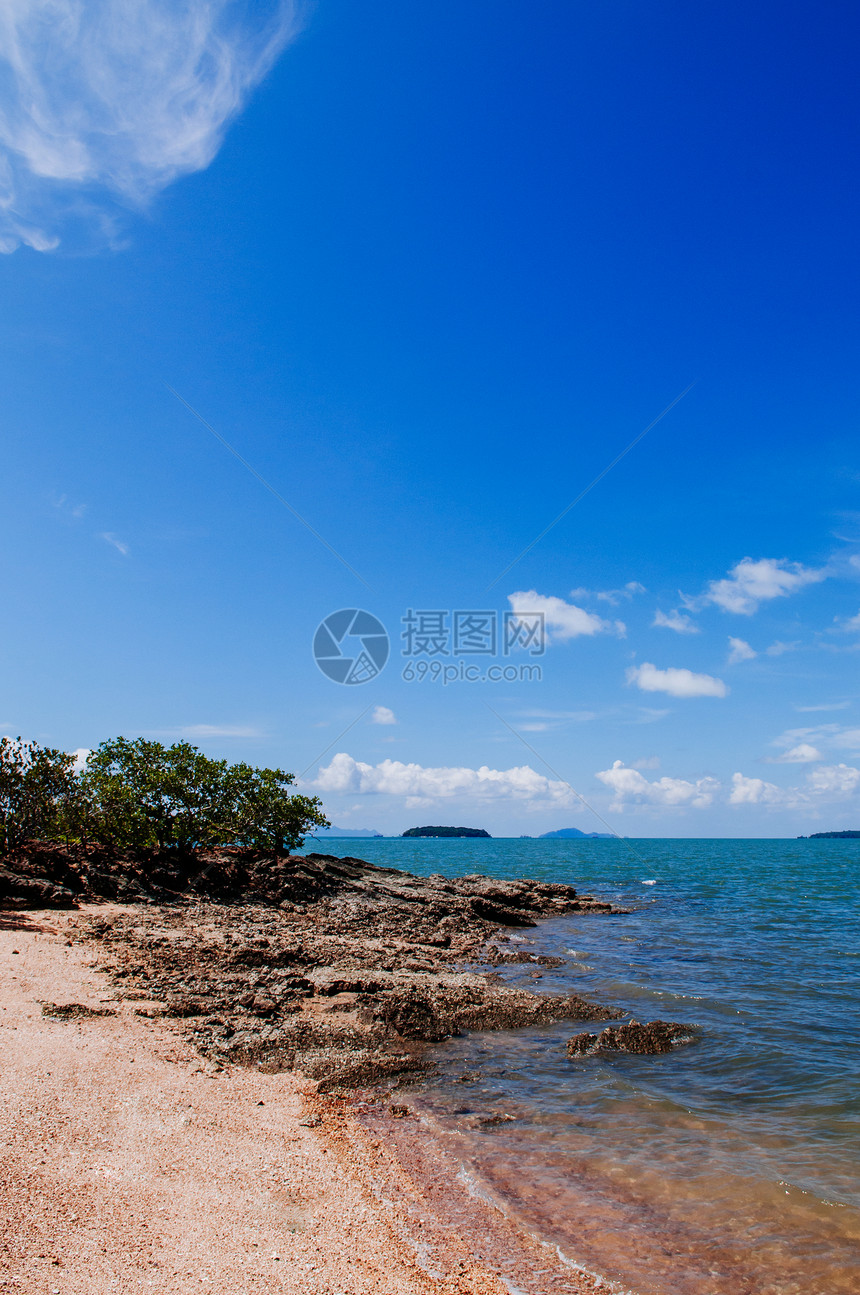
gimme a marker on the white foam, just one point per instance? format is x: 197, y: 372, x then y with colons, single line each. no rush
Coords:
x: 652, y: 882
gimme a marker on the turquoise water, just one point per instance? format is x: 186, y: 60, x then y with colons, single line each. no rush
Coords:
x: 728, y: 1165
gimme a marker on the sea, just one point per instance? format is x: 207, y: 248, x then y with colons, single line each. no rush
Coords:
x: 729, y: 1166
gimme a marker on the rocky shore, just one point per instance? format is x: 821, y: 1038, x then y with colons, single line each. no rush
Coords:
x: 329, y: 966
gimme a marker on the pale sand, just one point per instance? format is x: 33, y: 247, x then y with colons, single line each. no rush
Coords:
x: 128, y: 1166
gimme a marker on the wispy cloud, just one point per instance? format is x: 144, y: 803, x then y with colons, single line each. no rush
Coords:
x: 611, y: 596
x: 119, y: 545
x: 206, y: 730
x: 803, y: 753
x: 580, y: 716
x: 677, y: 682
x: 649, y: 714
x: 779, y: 648
x: 103, y: 103
x: 676, y: 620
x: 740, y: 650
x: 834, y: 737
x: 851, y: 625
x: 827, y: 705
x: 64, y: 505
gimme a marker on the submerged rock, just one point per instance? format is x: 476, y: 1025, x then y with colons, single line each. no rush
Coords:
x: 649, y: 1039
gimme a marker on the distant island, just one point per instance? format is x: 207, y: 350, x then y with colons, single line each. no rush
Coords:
x: 831, y: 836
x: 568, y: 833
x: 446, y: 831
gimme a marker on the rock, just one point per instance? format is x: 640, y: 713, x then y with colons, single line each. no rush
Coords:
x: 185, y: 1007
x: 20, y: 891
x: 348, y: 985
x: 58, y: 874
x: 74, y: 1011
x: 651, y: 1038
x: 263, y: 1006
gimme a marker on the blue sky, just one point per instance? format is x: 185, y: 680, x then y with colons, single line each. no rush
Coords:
x: 429, y: 269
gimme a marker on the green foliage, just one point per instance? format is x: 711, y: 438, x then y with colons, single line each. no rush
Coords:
x: 143, y: 795
x: 263, y: 814
x: 37, y: 787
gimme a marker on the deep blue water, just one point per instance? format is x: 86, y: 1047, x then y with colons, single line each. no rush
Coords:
x: 729, y: 1165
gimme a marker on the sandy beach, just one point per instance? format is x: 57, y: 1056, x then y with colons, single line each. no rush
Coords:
x: 130, y: 1163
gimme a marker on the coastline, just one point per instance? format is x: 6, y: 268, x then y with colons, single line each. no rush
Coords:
x: 333, y: 967
x: 129, y: 1162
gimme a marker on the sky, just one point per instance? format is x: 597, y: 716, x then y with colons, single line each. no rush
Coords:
x: 529, y: 331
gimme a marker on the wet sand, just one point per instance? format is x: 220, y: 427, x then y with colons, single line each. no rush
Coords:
x: 130, y: 1164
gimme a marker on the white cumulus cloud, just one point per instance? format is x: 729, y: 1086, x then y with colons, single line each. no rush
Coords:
x: 348, y: 776
x: 752, y: 582
x: 562, y: 620
x: 382, y: 715
x: 677, y: 682
x: 828, y: 783
x: 676, y: 620
x: 755, y: 791
x: 103, y: 103
x: 629, y: 786
x: 838, y: 780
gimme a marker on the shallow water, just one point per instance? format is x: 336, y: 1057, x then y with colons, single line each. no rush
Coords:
x: 728, y: 1165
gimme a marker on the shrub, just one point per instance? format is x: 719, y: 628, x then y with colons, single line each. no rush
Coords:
x: 143, y: 795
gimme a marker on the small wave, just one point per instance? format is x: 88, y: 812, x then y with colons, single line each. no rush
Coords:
x: 650, y: 882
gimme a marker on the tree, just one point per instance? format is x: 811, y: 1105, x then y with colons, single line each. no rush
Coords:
x: 37, y: 790
x: 264, y: 814
x: 141, y: 794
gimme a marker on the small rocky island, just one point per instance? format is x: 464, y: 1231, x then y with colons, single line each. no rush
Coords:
x: 446, y: 831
